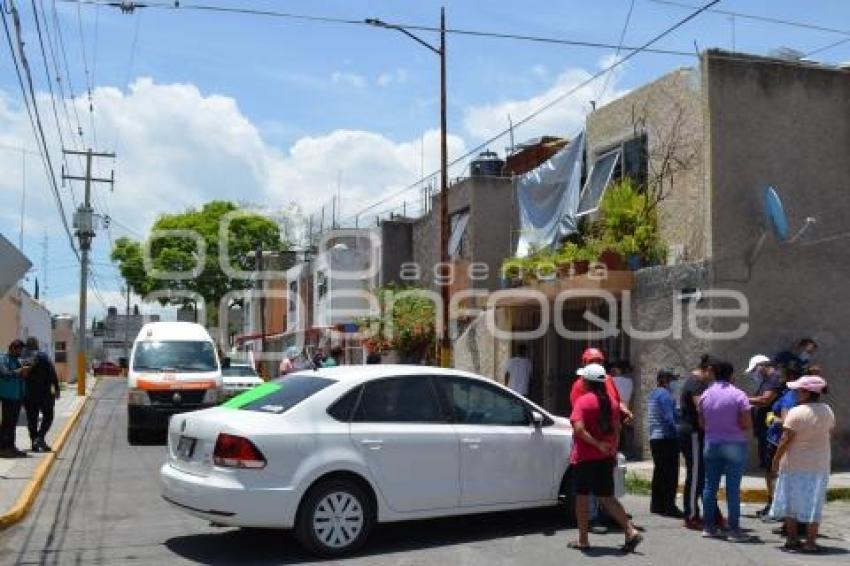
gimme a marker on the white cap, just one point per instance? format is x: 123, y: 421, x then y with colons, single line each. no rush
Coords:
x: 757, y: 360
x: 592, y: 372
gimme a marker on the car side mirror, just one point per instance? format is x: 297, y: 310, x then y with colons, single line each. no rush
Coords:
x: 537, y: 419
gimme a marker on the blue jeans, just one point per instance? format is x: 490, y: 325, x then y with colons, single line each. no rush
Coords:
x: 729, y: 459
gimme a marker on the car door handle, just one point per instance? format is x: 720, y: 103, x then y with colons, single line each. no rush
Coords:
x: 372, y: 444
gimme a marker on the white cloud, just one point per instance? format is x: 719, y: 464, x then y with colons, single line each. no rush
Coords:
x: 399, y: 76
x: 562, y: 119
x: 540, y: 71
x: 178, y: 147
x: 348, y: 79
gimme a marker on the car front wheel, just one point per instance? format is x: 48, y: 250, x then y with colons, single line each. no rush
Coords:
x: 334, y: 519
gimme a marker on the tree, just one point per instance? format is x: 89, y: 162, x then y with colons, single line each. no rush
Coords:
x: 174, y: 253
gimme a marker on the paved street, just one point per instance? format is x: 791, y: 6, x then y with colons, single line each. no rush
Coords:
x: 101, y: 505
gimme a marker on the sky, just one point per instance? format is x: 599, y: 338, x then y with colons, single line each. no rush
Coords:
x: 269, y: 110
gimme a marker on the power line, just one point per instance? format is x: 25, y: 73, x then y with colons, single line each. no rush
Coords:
x: 550, y: 104
x: 362, y: 22
x: 619, y: 48
x: 756, y: 17
x: 57, y: 69
x: 827, y: 47
x: 87, y: 73
x: 58, y: 27
x: 47, y: 75
x: 35, y: 118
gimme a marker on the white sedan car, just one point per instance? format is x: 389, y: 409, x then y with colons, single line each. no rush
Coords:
x: 332, y: 451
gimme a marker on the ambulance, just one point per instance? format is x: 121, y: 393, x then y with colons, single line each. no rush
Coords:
x: 174, y: 368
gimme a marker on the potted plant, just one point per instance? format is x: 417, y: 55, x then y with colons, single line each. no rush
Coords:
x: 513, y: 271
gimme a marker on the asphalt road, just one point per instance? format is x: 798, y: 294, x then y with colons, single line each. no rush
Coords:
x: 101, y: 505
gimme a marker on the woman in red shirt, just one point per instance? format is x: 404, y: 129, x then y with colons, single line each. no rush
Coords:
x: 596, y: 423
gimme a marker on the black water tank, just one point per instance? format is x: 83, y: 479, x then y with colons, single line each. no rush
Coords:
x: 487, y: 164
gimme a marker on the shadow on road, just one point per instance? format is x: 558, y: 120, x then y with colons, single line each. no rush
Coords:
x: 259, y: 546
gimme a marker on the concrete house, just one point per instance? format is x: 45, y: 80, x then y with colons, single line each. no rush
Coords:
x: 712, y: 139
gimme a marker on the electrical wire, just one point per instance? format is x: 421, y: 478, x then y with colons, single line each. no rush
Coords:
x: 756, y: 17
x: 619, y: 48
x: 57, y: 69
x: 73, y: 96
x: 88, y: 74
x: 363, y: 22
x: 35, y: 118
x: 827, y: 47
x: 47, y: 77
x: 550, y: 104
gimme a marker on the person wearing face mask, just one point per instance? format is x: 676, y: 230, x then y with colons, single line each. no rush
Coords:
x: 800, y: 355
x: 768, y: 389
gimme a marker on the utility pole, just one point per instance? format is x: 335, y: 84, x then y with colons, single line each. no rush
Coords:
x: 127, y: 327
x: 259, y: 285
x: 445, y: 342
x: 84, y: 224
x: 445, y: 346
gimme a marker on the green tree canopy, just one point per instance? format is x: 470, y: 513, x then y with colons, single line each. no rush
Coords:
x: 171, y: 253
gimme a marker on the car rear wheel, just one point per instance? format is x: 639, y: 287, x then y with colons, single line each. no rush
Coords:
x: 334, y: 519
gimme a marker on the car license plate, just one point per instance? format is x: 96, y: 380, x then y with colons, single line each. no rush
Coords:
x: 186, y: 448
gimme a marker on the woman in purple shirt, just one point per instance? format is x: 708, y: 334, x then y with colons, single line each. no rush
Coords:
x: 725, y: 416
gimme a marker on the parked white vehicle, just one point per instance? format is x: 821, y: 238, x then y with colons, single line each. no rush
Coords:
x: 330, y: 452
x: 238, y: 378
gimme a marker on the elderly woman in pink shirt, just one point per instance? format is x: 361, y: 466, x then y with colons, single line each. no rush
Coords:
x: 725, y: 416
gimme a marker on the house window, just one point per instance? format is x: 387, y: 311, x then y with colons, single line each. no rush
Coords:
x: 61, y: 354
x: 635, y: 160
x: 321, y: 284
x: 293, y: 296
x: 458, y: 223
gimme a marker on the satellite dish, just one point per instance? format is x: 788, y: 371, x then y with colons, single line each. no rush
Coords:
x: 775, y: 214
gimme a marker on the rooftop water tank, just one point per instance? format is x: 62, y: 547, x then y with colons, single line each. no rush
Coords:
x: 487, y: 164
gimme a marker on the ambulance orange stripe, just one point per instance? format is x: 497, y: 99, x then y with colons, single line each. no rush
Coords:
x: 148, y: 385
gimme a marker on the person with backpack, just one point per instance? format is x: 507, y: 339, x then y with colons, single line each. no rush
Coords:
x: 41, y: 395
x: 12, y: 386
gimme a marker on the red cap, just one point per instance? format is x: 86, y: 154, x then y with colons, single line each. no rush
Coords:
x: 592, y: 355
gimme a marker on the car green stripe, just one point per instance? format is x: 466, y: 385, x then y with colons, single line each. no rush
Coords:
x: 252, y: 395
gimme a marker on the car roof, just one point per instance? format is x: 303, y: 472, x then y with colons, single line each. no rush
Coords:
x: 173, y: 331
x: 369, y: 372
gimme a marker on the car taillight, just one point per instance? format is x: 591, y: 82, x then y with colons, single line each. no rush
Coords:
x: 233, y: 451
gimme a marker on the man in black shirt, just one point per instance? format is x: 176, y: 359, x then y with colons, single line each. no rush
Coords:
x: 41, y: 394
x: 692, y: 443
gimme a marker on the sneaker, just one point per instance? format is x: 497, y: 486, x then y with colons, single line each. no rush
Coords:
x: 18, y: 453
x: 763, y: 512
x: 694, y: 524
x: 738, y: 536
x: 44, y: 447
x: 711, y: 533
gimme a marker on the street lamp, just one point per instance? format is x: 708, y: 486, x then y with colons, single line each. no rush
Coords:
x: 445, y: 345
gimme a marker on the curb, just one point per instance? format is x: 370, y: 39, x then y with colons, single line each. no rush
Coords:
x: 22, y: 506
x: 749, y: 495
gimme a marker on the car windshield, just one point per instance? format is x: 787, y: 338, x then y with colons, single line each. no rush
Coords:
x: 184, y: 356
x: 238, y: 371
x: 280, y: 395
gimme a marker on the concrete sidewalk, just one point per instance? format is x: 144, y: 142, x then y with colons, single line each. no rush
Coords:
x: 18, y: 474
x: 753, y: 489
